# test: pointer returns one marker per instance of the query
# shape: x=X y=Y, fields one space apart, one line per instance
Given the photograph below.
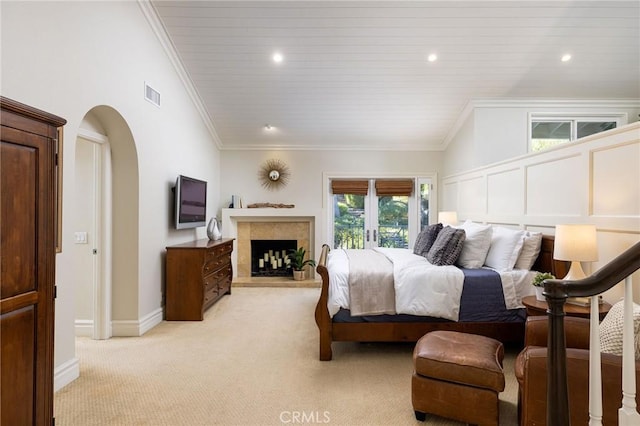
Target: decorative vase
x=539 y=295
x=298 y=275
x=213 y=232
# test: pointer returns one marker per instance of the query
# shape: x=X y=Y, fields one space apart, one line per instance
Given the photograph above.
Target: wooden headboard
x=546 y=262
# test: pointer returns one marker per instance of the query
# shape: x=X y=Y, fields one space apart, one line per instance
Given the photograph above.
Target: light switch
x=81 y=237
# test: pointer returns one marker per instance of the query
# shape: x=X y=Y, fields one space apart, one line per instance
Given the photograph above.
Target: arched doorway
x=105 y=217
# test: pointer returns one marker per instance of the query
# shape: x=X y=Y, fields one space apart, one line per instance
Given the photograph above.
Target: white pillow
x=530 y=250
x=476 y=245
x=505 y=248
x=611 y=330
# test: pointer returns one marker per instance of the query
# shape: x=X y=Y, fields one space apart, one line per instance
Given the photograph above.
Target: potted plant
x=298 y=262
x=537 y=283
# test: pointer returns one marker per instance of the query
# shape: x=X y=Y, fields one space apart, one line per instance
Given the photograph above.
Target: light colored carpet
x=252 y=361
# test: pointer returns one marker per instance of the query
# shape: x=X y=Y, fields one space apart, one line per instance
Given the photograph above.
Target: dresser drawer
x=218 y=251
x=210 y=296
x=213 y=264
x=210 y=282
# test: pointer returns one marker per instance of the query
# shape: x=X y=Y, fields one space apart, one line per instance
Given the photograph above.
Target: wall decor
x=274 y=174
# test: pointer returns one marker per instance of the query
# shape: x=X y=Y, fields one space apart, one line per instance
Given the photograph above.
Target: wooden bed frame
x=506 y=332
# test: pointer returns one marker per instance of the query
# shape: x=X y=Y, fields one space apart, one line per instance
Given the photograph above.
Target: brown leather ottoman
x=458 y=376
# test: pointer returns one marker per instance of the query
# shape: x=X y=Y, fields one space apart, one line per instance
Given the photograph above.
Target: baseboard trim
x=136 y=328
x=84 y=328
x=66 y=373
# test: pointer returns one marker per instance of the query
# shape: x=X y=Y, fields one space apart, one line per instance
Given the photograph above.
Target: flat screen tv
x=190 y=202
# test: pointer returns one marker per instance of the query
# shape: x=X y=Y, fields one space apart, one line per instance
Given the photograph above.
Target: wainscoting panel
x=595 y=180
x=472 y=196
x=556 y=187
x=504 y=192
x=616 y=181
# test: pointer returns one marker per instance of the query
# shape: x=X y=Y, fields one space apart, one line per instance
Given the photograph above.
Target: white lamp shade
x=448 y=218
x=575 y=243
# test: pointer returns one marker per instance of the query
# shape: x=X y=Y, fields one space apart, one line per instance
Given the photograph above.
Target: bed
x=342 y=327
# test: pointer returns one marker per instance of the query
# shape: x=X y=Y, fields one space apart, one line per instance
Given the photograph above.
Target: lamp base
x=575 y=272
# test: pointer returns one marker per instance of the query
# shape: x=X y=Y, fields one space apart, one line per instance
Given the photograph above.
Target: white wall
x=595 y=180
x=239 y=170
x=68 y=57
x=499 y=129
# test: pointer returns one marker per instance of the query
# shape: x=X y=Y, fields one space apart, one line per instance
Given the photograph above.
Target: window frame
x=414 y=214
x=619 y=118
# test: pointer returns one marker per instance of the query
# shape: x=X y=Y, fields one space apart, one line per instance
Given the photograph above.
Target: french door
x=379 y=212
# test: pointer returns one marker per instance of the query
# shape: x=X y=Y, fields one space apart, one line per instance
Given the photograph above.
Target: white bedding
x=422 y=288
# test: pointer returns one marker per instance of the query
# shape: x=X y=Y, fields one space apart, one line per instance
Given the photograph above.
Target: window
x=548 y=131
x=383 y=212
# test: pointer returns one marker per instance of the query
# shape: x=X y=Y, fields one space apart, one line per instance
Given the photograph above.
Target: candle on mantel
x=261 y=263
x=266 y=257
x=274 y=264
x=279 y=263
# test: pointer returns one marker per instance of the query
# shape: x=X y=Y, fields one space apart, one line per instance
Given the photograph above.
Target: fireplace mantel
x=231 y=217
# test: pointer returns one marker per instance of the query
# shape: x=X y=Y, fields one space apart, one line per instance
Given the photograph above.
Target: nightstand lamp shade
x=575 y=243
x=448 y=218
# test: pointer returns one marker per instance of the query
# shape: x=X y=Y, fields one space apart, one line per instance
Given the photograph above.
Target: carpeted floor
x=252 y=361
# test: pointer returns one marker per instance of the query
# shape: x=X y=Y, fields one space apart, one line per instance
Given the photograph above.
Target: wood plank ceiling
x=356 y=74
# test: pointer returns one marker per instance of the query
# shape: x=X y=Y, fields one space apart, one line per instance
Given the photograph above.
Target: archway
x=106 y=220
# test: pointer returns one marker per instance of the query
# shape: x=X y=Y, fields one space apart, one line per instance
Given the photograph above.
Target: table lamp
x=575 y=243
x=448 y=218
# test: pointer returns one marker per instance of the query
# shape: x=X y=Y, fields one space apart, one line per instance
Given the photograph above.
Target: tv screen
x=191 y=202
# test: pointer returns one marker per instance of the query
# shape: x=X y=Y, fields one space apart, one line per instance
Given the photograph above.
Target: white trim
x=150 y=13
x=66 y=373
x=324 y=147
x=84 y=328
x=136 y=328
x=92 y=136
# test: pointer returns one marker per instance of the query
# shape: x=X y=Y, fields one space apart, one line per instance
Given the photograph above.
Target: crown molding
x=159 y=30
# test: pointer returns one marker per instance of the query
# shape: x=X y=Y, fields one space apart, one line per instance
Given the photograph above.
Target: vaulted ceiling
x=357 y=74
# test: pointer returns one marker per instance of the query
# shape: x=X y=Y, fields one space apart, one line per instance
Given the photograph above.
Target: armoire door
x=27 y=263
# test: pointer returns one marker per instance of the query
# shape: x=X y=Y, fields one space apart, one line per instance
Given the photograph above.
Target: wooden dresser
x=198 y=274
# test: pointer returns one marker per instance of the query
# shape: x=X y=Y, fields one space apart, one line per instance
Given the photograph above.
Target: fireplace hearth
x=269 y=258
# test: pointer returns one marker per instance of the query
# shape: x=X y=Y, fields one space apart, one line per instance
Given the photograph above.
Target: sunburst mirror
x=274 y=174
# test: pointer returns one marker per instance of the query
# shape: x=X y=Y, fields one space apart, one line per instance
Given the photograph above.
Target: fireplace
x=269 y=230
x=270 y=258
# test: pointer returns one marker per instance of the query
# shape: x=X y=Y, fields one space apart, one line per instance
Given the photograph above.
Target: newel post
x=557 y=392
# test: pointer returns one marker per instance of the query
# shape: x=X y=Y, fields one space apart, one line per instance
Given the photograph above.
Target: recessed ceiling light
x=268 y=127
x=277 y=57
x=432 y=57
x=566 y=57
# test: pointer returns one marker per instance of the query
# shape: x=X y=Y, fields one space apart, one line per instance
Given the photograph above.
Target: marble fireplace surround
x=267 y=223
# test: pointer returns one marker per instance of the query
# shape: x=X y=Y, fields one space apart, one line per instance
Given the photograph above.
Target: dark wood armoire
x=28 y=239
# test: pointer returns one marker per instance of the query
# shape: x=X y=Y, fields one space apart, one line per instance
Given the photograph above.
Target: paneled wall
x=595 y=180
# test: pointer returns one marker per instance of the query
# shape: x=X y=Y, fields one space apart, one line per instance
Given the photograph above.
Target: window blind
x=357 y=187
x=394 y=187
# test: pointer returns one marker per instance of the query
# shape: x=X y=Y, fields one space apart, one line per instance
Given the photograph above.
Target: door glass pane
x=393 y=221
x=348 y=221
x=591 y=128
x=545 y=134
x=424 y=205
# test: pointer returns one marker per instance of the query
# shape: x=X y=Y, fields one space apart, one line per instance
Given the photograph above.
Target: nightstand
x=537 y=307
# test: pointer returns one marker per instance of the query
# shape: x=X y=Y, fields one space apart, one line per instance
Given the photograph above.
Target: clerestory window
x=548 y=131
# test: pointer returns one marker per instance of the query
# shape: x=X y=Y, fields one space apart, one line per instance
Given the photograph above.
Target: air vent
x=151 y=95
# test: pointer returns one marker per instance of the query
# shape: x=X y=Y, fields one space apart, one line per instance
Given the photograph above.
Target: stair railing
x=556 y=293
